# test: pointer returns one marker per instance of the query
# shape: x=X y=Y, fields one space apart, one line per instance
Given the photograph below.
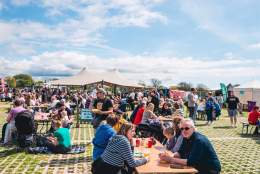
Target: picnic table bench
x=246 y=125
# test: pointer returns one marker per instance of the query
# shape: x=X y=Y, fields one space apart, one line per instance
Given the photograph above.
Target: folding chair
x=86 y=116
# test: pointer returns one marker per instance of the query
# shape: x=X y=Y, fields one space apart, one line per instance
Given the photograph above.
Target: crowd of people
x=113 y=150
x=114 y=131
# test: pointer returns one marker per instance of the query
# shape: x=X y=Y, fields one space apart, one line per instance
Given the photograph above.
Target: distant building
x=248 y=92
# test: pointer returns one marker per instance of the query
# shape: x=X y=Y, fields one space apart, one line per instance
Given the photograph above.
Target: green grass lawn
x=237 y=153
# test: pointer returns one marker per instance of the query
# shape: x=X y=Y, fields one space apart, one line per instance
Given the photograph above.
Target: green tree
x=39 y=83
x=202 y=87
x=185 y=86
x=11 y=82
x=142 y=83
x=23 y=80
x=202 y=90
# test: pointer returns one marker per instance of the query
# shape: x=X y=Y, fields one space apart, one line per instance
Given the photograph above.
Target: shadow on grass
x=200 y=125
x=255 y=137
x=8 y=152
x=258 y=141
x=70 y=161
x=223 y=127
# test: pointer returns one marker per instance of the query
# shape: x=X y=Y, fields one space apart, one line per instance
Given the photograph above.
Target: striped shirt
x=119 y=151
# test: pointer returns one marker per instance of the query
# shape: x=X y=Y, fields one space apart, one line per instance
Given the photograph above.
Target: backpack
x=24 y=123
x=217 y=109
x=209 y=105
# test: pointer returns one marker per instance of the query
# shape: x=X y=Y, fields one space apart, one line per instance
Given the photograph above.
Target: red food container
x=137 y=142
x=150 y=143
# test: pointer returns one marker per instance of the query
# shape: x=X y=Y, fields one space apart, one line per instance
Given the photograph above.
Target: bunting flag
x=224 y=91
x=3 y=84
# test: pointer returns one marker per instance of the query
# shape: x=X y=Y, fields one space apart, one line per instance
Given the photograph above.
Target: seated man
x=196 y=151
x=102 y=107
x=61 y=141
x=253 y=117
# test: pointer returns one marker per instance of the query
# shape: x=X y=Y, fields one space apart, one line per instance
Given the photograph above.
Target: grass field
x=238 y=153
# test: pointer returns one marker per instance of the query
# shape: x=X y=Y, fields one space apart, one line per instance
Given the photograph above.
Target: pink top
x=15 y=111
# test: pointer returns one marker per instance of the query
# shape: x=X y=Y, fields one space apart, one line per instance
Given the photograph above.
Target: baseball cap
x=101 y=90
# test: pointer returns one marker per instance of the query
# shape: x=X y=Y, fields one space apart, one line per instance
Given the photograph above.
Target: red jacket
x=253 y=117
x=139 y=116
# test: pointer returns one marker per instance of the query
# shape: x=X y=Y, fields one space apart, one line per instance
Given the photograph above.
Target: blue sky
x=199 y=41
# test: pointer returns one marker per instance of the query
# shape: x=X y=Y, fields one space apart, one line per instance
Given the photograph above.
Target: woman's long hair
x=176 y=124
x=125 y=128
x=150 y=107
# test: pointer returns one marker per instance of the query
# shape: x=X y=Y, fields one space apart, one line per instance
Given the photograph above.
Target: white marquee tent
x=85 y=77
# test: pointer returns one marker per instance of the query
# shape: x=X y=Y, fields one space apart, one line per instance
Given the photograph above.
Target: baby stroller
x=24 y=123
x=150 y=130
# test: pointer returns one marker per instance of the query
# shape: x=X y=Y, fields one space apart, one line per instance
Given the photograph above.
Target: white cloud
x=1 y=6
x=22 y=49
x=254 y=46
x=209 y=16
x=20 y=2
x=82 y=29
x=170 y=70
x=231 y=21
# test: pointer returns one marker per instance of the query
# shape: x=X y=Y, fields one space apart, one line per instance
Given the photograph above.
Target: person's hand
x=96 y=111
x=147 y=158
x=165 y=157
x=99 y=112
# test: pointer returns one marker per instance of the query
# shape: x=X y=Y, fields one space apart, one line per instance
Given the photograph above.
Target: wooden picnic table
x=155 y=167
x=165 y=119
x=39 y=106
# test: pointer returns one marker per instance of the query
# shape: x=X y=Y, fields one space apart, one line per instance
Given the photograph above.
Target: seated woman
x=148 y=114
x=61 y=113
x=165 y=110
x=10 y=127
x=139 y=113
x=60 y=142
x=201 y=105
x=155 y=125
x=119 y=123
x=177 y=110
x=253 y=118
x=117 y=154
x=103 y=134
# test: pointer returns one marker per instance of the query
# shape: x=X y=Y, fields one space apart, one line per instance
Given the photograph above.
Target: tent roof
x=85 y=77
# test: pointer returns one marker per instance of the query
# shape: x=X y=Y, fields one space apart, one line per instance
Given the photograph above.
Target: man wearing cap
x=102 y=107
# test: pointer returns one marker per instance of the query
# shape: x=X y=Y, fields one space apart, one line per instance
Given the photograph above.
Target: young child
x=65 y=119
x=169 y=134
x=173 y=135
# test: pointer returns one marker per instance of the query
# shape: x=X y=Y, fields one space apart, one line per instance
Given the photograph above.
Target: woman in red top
x=139 y=114
x=253 y=117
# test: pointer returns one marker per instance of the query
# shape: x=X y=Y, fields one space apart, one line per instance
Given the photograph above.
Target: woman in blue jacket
x=103 y=134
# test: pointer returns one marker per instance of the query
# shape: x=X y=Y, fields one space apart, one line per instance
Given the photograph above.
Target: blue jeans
x=209 y=115
x=192 y=113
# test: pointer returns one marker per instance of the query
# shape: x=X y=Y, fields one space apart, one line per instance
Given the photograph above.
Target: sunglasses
x=185 y=128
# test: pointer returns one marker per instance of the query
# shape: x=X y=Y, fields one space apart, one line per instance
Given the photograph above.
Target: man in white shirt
x=192 y=104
